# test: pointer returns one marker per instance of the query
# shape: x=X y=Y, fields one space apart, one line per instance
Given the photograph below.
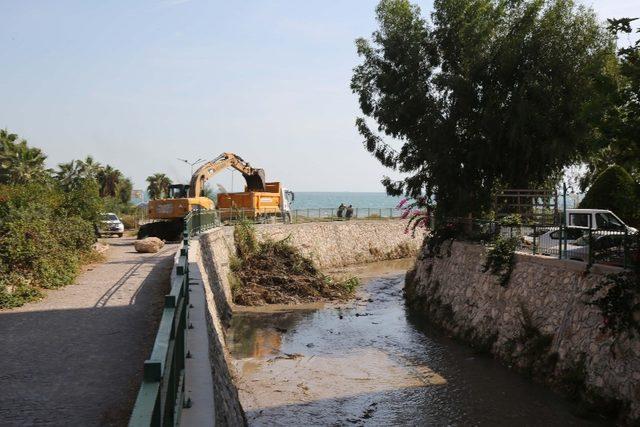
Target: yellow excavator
x=258 y=198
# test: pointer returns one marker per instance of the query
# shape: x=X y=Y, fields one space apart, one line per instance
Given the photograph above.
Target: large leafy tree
x=125 y=187
x=620 y=132
x=492 y=93
x=19 y=163
x=158 y=185
x=614 y=189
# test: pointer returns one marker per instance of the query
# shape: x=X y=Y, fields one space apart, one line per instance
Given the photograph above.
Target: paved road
x=75 y=358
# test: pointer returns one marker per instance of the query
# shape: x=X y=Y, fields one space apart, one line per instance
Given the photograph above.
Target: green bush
x=614 y=189
x=45 y=233
x=501 y=258
x=130 y=222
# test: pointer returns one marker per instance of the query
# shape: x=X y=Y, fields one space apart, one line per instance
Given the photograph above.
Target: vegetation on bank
x=47 y=218
x=615 y=189
x=275 y=272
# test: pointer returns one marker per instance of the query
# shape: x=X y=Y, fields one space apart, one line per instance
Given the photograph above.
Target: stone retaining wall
x=341 y=243
x=539 y=323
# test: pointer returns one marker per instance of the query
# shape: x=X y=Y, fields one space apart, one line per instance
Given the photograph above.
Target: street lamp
x=192 y=164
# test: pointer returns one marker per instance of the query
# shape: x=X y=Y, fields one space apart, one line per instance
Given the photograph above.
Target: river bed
x=372 y=362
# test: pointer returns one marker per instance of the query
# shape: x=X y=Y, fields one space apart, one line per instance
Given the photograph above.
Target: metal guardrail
x=198 y=221
x=305 y=215
x=161 y=396
x=331 y=214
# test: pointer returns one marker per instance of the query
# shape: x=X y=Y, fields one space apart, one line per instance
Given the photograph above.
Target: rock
x=148 y=245
x=100 y=247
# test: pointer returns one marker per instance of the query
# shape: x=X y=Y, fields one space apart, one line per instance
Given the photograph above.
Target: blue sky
x=138 y=84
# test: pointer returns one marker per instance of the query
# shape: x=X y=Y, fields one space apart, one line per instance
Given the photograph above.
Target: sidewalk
x=76 y=357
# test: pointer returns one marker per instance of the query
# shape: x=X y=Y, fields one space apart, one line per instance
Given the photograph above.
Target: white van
x=597 y=219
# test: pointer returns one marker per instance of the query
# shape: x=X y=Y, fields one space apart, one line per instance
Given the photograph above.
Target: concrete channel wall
x=330 y=244
x=539 y=323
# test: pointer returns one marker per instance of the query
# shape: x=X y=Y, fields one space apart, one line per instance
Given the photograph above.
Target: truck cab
x=597 y=219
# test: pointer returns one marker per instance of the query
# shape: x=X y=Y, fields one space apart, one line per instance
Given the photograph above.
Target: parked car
x=110 y=225
x=548 y=242
x=605 y=247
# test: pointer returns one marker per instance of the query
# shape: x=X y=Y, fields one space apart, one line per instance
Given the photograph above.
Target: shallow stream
x=373 y=362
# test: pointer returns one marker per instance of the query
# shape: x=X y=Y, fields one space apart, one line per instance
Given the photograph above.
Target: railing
x=332 y=214
x=201 y=220
x=592 y=246
x=161 y=396
x=305 y=215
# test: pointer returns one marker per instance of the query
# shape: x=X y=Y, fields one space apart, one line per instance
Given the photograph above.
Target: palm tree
x=158 y=186
x=109 y=177
x=89 y=168
x=68 y=174
x=19 y=163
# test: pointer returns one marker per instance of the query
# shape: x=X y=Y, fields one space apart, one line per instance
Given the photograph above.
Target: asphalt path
x=76 y=356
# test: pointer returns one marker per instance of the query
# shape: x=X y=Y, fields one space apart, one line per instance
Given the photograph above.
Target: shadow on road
x=80 y=366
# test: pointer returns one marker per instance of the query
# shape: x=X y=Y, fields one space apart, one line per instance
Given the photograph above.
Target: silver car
x=110 y=225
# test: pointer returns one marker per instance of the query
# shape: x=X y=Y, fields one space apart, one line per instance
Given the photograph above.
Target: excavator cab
x=178 y=191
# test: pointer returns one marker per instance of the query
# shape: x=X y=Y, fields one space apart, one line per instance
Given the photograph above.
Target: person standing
x=349 y=212
x=341 y=209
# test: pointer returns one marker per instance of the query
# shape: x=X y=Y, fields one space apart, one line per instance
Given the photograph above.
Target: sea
x=328 y=200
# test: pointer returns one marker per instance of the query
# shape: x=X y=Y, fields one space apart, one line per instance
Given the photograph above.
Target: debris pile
x=275 y=272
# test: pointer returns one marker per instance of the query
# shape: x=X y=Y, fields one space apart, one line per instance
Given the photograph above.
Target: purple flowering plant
x=417 y=211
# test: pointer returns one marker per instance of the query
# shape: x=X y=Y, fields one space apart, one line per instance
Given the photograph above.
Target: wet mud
x=370 y=361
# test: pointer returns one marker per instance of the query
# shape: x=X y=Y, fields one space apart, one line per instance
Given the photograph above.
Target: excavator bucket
x=255 y=181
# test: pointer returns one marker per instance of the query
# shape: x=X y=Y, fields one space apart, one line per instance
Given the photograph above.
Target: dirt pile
x=275 y=272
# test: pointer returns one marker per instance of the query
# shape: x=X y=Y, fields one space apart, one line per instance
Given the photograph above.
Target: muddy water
x=372 y=362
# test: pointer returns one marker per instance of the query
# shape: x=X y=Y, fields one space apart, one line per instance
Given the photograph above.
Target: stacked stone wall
x=540 y=322
x=341 y=243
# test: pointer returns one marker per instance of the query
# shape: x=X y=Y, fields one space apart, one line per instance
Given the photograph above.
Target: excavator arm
x=254 y=177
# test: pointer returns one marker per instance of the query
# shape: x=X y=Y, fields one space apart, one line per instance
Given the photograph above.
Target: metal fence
x=161 y=396
x=593 y=246
x=305 y=215
x=198 y=221
x=331 y=214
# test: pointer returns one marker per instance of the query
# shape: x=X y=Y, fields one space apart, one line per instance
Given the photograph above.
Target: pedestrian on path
x=349 y=212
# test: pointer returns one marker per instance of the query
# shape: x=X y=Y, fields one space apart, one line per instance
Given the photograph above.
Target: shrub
x=614 y=189
x=501 y=258
x=617 y=298
x=245 y=239
x=42 y=241
x=130 y=222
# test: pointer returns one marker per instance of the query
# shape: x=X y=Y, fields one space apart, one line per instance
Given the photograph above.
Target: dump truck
x=272 y=203
x=259 y=200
